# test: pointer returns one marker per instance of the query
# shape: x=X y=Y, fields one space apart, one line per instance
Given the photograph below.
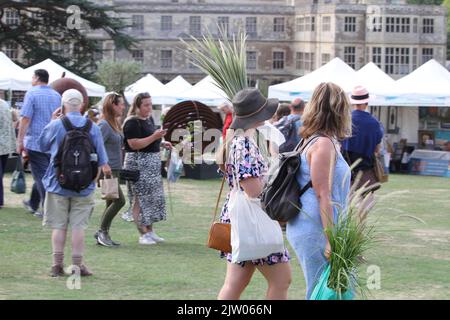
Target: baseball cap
x=73 y=97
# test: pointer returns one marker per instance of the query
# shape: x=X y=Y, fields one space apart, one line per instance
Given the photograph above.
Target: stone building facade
x=286 y=38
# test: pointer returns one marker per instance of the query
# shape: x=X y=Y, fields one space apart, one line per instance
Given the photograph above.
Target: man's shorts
x=61 y=212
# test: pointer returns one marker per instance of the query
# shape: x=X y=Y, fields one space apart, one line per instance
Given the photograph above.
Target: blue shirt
x=366 y=135
x=297 y=123
x=39 y=104
x=49 y=141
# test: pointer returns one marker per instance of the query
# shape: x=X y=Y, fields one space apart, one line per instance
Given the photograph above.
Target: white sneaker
x=146 y=240
x=154 y=236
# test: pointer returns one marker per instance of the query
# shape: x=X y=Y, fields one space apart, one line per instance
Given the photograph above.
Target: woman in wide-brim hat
x=245 y=162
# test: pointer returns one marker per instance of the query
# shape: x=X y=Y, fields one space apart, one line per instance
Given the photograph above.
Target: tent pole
x=10 y=97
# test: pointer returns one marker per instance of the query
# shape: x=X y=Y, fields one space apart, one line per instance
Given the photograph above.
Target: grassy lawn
x=412 y=253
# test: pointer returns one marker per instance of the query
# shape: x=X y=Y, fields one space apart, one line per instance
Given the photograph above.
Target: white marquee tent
x=378 y=83
x=178 y=84
x=55 y=71
x=176 y=87
x=147 y=84
x=336 y=71
x=205 y=91
x=428 y=85
x=12 y=76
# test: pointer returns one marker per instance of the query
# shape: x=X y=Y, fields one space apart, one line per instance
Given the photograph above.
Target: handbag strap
x=218 y=200
x=19 y=165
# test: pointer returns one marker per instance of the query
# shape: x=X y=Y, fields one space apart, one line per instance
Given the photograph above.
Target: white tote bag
x=253 y=234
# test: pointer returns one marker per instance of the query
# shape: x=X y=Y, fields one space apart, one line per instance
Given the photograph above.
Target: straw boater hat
x=360 y=95
x=251 y=107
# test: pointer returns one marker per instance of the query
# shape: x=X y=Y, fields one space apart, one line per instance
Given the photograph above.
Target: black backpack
x=76 y=161
x=280 y=198
x=288 y=129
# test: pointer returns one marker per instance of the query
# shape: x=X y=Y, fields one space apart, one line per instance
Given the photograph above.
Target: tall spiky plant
x=223 y=59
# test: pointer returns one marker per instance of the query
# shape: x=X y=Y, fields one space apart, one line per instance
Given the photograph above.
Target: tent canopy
x=178 y=85
x=147 y=84
x=428 y=85
x=55 y=71
x=174 y=88
x=378 y=83
x=336 y=71
x=205 y=92
x=12 y=76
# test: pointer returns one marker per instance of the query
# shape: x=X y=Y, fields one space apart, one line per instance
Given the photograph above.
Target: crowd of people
x=132 y=144
x=336 y=137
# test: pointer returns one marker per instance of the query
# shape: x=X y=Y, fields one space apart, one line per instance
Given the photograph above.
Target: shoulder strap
x=304 y=143
x=87 y=127
x=67 y=124
x=218 y=199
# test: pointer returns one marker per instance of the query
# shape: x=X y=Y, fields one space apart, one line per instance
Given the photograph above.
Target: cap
x=73 y=97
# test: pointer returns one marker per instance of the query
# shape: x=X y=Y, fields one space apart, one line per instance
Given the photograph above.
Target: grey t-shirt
x=113 y=144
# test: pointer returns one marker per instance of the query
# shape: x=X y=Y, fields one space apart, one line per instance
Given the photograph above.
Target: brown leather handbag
x=219 y=236
x=378 y=170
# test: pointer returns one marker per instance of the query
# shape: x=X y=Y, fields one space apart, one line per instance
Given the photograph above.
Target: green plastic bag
x=322 y=292
x=18 y=178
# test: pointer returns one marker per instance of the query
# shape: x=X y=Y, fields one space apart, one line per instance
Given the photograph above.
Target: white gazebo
x=12 y=77
x=55 y=71
x=178 y=84
x=205 y=91
x=336 y=71
x=147 y=84
x=378 y=83
x=428 y=85
x=174 y=88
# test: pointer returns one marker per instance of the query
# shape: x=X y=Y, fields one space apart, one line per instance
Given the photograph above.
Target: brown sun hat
x=251 y=107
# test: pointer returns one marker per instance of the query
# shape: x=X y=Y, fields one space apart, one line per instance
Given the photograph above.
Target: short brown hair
x=328 y=112
x=282 y=110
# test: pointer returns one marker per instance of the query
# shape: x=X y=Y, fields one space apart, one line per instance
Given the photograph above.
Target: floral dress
x=245 y=161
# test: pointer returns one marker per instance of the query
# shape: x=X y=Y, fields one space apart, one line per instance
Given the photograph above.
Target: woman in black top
x=142 y=147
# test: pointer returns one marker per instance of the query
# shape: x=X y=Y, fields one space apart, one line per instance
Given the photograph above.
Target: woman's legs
x=112 y=209
x=278 y=277
x=136 y=209
x=236 y=280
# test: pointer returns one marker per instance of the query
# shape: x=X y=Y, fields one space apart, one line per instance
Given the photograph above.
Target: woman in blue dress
x=326 y=120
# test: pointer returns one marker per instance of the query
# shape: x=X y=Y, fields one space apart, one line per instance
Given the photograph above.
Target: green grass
x=413 y=257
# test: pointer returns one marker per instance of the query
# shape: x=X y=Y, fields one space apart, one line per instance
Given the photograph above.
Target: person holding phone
x=142 y=147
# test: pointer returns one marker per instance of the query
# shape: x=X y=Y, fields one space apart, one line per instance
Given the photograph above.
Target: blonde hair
x=328 y=112
x=108 y=111
x=137 y=102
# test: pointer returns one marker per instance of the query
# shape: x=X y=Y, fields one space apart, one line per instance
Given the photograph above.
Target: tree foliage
x=116 y=75
x=42 y=23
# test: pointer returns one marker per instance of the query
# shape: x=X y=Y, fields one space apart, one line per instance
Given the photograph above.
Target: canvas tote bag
x=253 y=234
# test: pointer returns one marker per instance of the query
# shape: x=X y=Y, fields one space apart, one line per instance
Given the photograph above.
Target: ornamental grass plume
x=350 y=237
x=223 y=59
